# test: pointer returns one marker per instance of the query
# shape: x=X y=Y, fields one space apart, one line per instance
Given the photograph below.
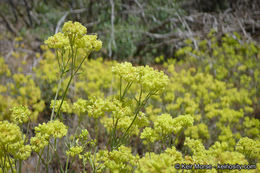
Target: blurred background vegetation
x=133 y=30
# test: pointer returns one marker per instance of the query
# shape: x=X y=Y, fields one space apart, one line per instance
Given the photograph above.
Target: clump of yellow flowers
x=12 y=145
x=20 y=114
x=74 y=34
x=120 y=160
x=44 y=132
x=68 y=45
x=165 y=126
x=131 y=118
x=149 y=79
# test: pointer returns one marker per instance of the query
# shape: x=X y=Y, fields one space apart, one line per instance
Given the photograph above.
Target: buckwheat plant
x=20 y=114
x=150 y=82
x=44 y=134
x=72 y=47
x=67 y=44
x=12 y=147
x=122 y=114
x=164 y=126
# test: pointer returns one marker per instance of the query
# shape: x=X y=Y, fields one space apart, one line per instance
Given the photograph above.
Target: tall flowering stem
x=150 y=81
x=67 y=45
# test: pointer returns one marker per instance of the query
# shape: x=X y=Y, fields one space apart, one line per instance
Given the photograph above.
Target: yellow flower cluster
x=150 y=80
x=90 y=42
x=217 y=154
x=73 y=151
x=227 y=135
x=44 y=132
x=252 y=127
x=165 y=125
x=20 y=114
x=249 y=147
x=199 y=131
x=74 y=34
x=120 y=160
x=12 y=142
x=124 y=122
x=4 y=70
x=80 y=106
x=66 y=108
x=74 y=28
x=163 y=162
x=24 y=152
x=213 y=104
x=57 y=41
x=99 y=107
x=79 y=145
x=84 y=136
x=115 y=114
x=10 y=134
x=230 y=59
x=47 y=71
x=27 y=93
x=196 y=147
x=96 y=79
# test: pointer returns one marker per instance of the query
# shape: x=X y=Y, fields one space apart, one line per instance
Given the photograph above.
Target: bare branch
x=62 y=19
x=112 y=40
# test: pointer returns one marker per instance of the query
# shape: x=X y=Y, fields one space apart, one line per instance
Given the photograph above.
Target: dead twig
x=112 y=40
x=61 y=21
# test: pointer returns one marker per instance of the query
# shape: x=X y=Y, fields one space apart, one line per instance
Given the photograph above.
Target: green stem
x=67 y=87
x=139 y=107
x=2 y=166
x=38 y=163
x=4 y=162
x=81 y=63
x=71 y=163
x=96 y=129
x=40 y=156
x=57 y=55
x=120 y=86
x=129 y=84
x=57 y=156
x=20 y=166
x=10 y=164
x=111 y=135
x=48 y=153
x=67 y=163
x=47 y=168
x=67 y=63
x=92 y=163
x=64 y=94
x=114 y=135
x=56 y=95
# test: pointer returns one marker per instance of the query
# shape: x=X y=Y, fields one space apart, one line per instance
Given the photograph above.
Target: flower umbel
x=44 y=132
x=20 y=114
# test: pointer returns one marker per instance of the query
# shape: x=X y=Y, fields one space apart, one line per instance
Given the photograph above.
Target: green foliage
x=125 y=27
